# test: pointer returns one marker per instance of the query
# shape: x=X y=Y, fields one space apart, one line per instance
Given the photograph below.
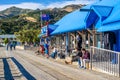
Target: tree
x=29 y=36
x=6 y=40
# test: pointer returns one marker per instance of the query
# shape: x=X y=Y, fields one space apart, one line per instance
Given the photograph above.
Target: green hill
x=16 y=19
x=13 y=11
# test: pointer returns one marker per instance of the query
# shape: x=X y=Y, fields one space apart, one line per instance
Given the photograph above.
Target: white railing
x=105 y=61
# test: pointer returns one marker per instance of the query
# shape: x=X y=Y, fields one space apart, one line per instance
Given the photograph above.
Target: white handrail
x=105 y=49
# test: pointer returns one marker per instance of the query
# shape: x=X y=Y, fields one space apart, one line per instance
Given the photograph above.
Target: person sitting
x=40 y=50
x=76 y=57
x=85 y=58
x=54 y=53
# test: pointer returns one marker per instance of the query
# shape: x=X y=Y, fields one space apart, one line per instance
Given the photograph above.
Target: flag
x=45 y=17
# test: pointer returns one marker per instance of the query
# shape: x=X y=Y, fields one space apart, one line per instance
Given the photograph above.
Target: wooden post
x=88 y=40
x=74 y=39
x=101 y=39
x=93 y=39
x=79 y=33
x=67 y=42
x=84 y=40
x=90 y=32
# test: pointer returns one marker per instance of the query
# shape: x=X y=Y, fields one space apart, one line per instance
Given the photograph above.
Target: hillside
x=16 y=19
x=13 y=11
x=28 y=21
x=71 y=8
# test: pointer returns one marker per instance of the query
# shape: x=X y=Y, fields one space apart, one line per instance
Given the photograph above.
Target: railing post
x=119 y=64
x=91 y=58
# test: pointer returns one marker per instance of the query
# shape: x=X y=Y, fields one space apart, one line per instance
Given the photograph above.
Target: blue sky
x=42 y=4
x=34 y=1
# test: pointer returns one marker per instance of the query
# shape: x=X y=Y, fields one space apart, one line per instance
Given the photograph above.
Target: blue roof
x=91 y=19
x=112 y=22
x=71 y=22
x=102 y=13
x=109 y=3
x=103 y=9
x=114 y=16
x=51 y=28
x=110 y=27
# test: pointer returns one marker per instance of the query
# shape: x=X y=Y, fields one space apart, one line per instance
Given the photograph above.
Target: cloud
x=62 y=4
x=26 y=5
x=31 y=5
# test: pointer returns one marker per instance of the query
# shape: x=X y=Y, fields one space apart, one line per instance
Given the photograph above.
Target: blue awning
x=71 y=22
x=114 y=16
x=50 y=29
x=107 y=3
x=109 y=27
x=103 y=9
x=113 y=21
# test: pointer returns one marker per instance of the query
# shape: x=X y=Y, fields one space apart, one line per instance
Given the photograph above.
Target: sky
x=41 y=4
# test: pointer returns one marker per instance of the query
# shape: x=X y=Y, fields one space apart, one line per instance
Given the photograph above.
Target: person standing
x=8 y=44
x=11 y=45
x=79 y=41
x=46 y=47
x=14 y=45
